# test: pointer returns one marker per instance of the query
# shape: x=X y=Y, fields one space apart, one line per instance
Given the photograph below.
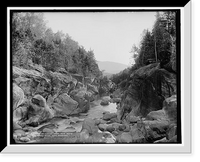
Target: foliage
x=153 y=43
x=104 y=85
x=153 y=76
x=33 y=42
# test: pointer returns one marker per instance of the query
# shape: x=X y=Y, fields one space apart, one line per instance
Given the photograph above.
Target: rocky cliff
x=45 y=94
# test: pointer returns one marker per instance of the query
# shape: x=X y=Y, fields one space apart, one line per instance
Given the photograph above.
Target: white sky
x=110 y=34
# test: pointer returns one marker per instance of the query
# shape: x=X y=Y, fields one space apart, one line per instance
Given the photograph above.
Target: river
x=96 y=110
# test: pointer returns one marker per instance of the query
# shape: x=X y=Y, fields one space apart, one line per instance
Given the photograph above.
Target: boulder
x=89 y=125
x=17 y=72
x=78 y=77
x=92 y=88
x=28 y=85
x=18 y=96
x=114 y=120
x=47 y=130
x=173 y=139
x=132 y=119
x=19 y=114
x=24 y=139
x=156 y=130
x=65 y=104
x=43 y=87
x=63 y=71
x=129 y=105
x=50 y=100
x=109 y=116
x=110 y=128
x=150 y=100
x=170 y=108
x=122 y=127
x=138 y=133
x=102 y=127
x=115 y=133
x=97 y=138
x=19 y=133
x=83 y=98
x=38 y=111
x=109 y=138
x=84 y=136
x=157 y=115
x=16 y=126
x=127 y=129
x=163 y=140
x=159 y=126
x=124 y=138
x=116 y=100
x=61 y=78
x=104 y=102
x=79 y=85
x=171 y=132
x=97 y=121
x=37 y=67
x=88 y=80
x=32 y=81
x=117 y=94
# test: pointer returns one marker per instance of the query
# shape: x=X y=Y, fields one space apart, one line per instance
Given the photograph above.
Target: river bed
x=96 y=110
x=72 y=124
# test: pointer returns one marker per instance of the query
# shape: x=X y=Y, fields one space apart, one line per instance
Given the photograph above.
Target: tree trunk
x=156 y=56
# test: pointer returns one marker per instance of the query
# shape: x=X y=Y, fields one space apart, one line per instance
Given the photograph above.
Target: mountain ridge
x=111 y=67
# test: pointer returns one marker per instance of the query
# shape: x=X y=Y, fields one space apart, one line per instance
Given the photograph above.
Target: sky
x=109 y=34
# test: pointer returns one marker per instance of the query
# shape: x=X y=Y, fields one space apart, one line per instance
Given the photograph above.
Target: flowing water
x=73 y=124
x=96 y=110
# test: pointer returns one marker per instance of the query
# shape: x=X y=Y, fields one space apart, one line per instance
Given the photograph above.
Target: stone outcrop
x=147 y=89
x=170 y=108
x=64 y=104
x=18 y=96
x=39 y=95
x=105 y=101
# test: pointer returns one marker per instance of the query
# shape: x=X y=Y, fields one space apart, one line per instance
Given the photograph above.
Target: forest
x=33 y=42
x=59 y=88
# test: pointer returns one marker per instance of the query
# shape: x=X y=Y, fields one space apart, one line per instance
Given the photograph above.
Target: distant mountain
x=111 y=67
x=109 y=75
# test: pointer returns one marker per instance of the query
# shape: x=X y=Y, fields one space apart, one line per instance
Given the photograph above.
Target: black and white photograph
x=95 y=77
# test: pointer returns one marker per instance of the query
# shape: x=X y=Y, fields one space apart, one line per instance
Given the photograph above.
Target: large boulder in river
x=38 y=111
x=83 y=97
x=108 y=116
x=65 y=104
x=104 y=102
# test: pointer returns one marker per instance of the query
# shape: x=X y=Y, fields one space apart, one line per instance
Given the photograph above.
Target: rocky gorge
x=59 y=107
